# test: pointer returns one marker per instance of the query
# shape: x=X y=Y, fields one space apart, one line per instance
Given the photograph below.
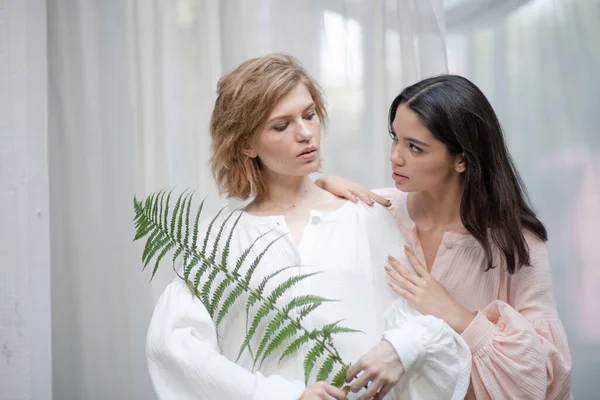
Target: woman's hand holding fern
x=381 y=367
x=323 y=391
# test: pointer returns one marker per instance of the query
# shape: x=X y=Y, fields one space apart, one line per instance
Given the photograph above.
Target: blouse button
x=315 y=219
x=448 y=245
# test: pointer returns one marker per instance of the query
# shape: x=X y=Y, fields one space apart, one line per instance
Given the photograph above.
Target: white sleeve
x=185 y=361
x=436 y=359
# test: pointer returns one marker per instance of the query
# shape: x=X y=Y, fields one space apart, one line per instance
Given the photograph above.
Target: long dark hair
x=459 y=115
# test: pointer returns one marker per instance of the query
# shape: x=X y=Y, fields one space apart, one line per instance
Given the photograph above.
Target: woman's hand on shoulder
x=352 y=191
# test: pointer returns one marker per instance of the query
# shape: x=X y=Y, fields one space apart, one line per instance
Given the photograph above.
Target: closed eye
x=281 y=128
x=310 y=116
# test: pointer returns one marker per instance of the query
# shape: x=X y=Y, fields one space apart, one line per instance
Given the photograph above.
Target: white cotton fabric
x=189 y=358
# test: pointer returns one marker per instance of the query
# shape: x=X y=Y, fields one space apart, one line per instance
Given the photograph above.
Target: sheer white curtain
x=131 y=85
x=538 y=63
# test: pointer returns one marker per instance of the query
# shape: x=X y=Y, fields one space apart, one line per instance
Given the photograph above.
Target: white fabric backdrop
x=131 y=88
x=539 y=66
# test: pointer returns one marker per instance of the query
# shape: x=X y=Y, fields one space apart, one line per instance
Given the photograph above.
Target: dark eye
x=281 y=128
x=393 y=135
x=415 y=149
x=310 y=116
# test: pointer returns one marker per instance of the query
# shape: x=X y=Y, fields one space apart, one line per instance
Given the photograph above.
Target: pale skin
x=425 y=169
x=288 y=148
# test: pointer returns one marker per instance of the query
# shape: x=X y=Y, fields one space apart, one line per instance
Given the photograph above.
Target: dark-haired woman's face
x=420 y=162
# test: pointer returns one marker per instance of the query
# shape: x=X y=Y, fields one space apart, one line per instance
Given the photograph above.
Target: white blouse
x=189 y=358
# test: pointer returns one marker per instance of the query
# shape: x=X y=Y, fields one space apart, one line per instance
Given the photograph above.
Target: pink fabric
x=518 y=342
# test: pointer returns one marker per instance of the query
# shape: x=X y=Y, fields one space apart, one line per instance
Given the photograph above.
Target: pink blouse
x=517 y=340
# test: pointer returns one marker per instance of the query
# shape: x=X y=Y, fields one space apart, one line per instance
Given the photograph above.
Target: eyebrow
x=415 y=141
x=311 y=105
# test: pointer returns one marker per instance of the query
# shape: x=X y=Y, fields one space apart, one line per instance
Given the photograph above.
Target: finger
x=363 y=196
x=416 y=263
x=379 y=199
x=372 y=390
x=383 y=391
x=349 y=196
x=404 y=284
x=360 y=382
x=337 y=393
x=403 y=293
x=403 y=272
x=354 y=370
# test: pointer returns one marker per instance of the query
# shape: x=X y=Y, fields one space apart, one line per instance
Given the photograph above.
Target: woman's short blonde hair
x=245 y=98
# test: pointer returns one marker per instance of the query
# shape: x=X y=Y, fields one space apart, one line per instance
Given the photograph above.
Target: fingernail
x=387 y=268
x=406 y=248
x=390 y=258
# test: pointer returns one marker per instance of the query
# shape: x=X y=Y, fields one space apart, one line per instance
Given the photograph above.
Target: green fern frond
x=168 y=247
x=218 y=293
x=205 y=291
x=176 y=214
x=166 y=214
x=311 y=358
x=229 y=302
x=215 y=248
x=307 y=310
x=258 y=259
x=334 y=328
x=304 y=300
x=195 y=259
x=245 y=253
x=284 y=334
x=208 y=230
x=206 y=263
x=272 y=327
x=262 y=312
x=169 y=230
x=295 y=346
x=225 y=253
x=326 y=368
x=287 y=284
x=340 y=377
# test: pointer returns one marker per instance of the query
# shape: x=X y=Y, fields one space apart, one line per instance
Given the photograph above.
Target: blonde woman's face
x=289 y=142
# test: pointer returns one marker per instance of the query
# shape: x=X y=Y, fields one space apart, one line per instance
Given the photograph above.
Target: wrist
x=460 y=319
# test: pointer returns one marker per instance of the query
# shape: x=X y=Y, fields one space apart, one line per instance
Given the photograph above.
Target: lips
x=399 y=178
x=307 y=151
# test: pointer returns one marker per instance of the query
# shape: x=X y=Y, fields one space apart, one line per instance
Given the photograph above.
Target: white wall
x=25 y=355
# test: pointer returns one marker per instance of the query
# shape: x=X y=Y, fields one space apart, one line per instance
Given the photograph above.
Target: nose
x=304 y=133
x=395 y=156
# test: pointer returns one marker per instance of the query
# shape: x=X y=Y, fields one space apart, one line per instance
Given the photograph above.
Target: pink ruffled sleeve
x=519 y=347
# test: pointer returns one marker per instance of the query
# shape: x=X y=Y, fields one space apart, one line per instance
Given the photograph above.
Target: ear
x=460 y=164
x=250 y=153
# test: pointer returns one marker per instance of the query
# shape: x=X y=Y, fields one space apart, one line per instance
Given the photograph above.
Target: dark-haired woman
x=478 y=249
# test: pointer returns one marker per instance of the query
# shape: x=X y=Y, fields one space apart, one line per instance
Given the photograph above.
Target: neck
x=440 y=208
x=286 y=192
